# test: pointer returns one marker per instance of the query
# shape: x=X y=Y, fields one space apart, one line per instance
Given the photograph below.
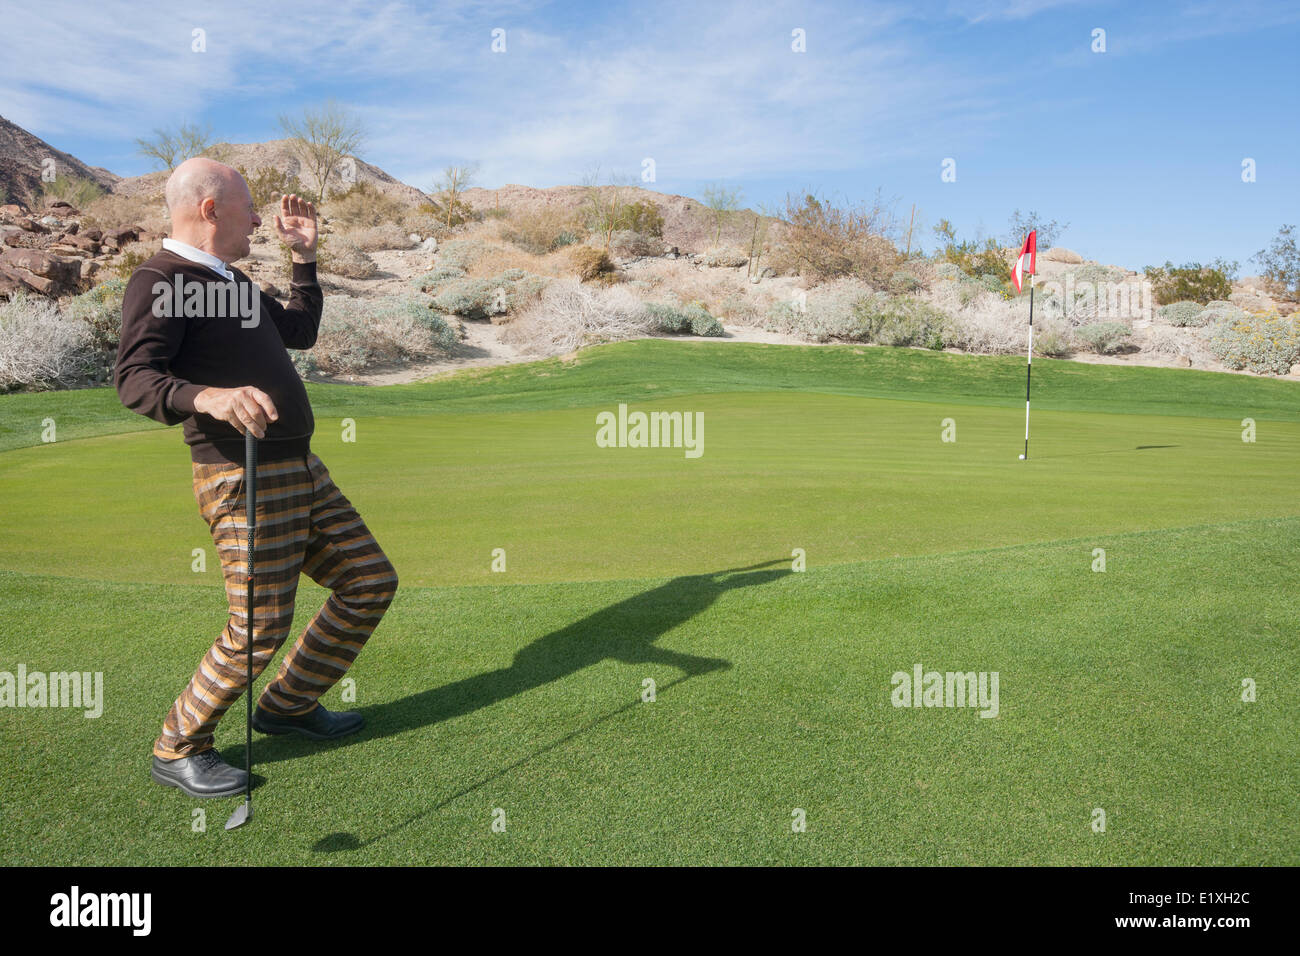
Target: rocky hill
x=24 y=156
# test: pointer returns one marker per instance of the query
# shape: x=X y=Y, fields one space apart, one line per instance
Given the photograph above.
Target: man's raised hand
x=246 y=408
x=296 y=226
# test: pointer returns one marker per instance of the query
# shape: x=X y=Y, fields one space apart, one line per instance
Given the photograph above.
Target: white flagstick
x=1029 y=365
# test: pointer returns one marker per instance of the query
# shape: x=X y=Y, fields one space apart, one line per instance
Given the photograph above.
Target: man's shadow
x=625 y=631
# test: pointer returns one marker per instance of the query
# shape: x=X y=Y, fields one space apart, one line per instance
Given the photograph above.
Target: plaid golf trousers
x=304 y=526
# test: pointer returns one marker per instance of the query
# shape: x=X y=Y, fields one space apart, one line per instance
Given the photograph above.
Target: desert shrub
x=112 y=211
x=356 y=334
x=267 y=184
x=823 y=313
x=1103 y=337
x=901 y=321
x=1281 y=264
x=739 y=308
x=347 y=260
x=1217 y=312
x=824 y=241
x=364 y=205
x=101 y=309
x=693 y=318
x=482 y=298
x=73 y=190
x=1098 y=274
x=974 y=260
x=387 y=235
x=947 y=271
x=1052 y=338
x=423 y=220
x=1265 y=343
x=725 y=258
x=41 y=348
x=1181 y=314
x=1193 y=281
x=461 y=252
x=903 y=283
x=436 y=277
x=132 y=258
x=590 y=263
x=1165 y=341
x=642 y=217
x=570 y=315
x=625 y=244
x=544 y=230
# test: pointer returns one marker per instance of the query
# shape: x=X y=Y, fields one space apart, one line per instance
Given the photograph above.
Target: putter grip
x=250 y=492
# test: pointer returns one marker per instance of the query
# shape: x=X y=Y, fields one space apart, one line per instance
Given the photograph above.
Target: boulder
x=1061 y=254
x=63 y=210
x=42 y=271
x=89 y=267
x=27 y=224
x=429 y=245
x=50 y=221
x=11 y=213
x=1183 y=361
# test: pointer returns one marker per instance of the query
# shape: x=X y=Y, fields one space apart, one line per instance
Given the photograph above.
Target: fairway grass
x=521 y=692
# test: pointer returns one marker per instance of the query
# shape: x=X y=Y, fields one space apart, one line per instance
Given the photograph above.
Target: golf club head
x=243 y=813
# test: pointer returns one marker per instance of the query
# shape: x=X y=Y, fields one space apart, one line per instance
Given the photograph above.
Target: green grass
x=521 y=690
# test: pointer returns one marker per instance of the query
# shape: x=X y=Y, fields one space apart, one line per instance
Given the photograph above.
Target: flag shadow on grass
x=625 y=631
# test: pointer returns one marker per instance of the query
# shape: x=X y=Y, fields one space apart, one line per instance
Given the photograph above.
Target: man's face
x=237 y=219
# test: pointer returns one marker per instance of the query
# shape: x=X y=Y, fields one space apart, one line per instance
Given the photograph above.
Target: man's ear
x=208 y=210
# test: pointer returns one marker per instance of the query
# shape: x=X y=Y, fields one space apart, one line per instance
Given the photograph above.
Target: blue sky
x=1139 y=148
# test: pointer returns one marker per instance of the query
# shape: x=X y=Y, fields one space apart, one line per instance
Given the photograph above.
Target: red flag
x=1027 y=256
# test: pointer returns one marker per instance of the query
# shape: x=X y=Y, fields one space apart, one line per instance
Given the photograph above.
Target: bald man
x=203 y=345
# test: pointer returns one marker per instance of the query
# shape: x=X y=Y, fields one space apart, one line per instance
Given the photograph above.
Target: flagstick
x=1029 y=365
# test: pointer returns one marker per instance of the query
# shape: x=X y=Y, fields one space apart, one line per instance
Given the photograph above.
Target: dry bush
x=364 y=205
x=388 y=235
x=723 y=257
x=116 y=212
x=824 y=241
x=628 y=244
x=570 y=315
x=543 y=230
x=41 y=348
x=590 y=263
x=495 y=260
x=983 y=322
x=356 y=334
x=344 y=258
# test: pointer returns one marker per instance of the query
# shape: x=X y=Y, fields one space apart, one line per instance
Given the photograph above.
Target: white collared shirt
x=198 y=255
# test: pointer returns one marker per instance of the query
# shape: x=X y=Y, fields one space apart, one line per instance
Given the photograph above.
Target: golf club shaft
x=250 y=505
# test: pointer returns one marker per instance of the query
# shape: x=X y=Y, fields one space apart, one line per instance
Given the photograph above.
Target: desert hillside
x=419 y=283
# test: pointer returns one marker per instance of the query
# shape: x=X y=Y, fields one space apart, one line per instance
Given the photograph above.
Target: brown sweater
x=208 y=332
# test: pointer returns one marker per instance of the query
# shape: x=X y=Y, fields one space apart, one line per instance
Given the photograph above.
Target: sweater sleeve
x=299 y=321
x=145 y=352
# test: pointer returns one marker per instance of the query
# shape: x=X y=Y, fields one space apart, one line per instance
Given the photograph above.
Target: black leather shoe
x=201 y=775
x=318 y=723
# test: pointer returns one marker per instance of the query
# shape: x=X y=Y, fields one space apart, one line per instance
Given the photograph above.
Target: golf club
x=244 y=812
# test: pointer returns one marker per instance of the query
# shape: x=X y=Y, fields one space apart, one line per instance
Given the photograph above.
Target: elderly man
x=201 y=344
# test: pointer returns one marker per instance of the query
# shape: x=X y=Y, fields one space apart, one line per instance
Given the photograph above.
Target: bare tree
x=324 y=136
x=171 y=149
x=605 y=207
x=724 y=203
x=447 y=190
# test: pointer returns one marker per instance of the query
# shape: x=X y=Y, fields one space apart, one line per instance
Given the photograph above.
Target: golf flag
x=1027 y=257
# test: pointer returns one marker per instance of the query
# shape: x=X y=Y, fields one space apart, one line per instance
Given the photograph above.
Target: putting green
x=521 y=690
